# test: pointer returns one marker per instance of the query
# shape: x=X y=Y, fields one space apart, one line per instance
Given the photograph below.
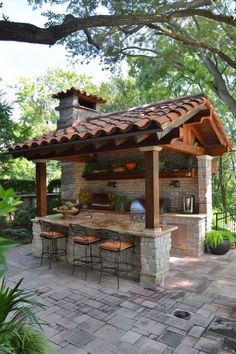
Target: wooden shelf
x=138 y=175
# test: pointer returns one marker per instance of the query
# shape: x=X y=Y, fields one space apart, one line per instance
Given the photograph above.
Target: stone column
x=205 y=188
x=155 y=254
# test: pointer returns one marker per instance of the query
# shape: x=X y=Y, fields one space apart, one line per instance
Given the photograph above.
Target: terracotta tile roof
x=79 y=93
x=158 y=116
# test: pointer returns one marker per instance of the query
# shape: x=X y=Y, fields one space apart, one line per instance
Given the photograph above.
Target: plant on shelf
x=118 y=166
x=121 y=203
x=131 y=166
x=96 y=167
x=219 y=242
x=85 y=197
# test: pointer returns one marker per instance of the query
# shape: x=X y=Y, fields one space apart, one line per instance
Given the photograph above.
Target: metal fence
x=226 y=220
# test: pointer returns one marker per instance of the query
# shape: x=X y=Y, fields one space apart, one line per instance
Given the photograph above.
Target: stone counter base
x=151 y=258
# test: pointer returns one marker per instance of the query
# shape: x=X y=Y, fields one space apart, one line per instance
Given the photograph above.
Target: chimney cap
x=81 y=94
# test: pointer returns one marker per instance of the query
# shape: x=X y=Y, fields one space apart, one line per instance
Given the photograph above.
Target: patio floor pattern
x=85 y=317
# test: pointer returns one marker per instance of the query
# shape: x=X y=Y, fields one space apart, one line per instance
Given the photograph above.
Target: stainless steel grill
x=137 y=209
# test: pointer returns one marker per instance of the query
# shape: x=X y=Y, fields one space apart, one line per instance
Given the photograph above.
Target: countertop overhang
x=123 y=227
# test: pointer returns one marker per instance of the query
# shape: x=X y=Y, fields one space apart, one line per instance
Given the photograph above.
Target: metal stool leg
x=101 y=267
x=86 y=261
x=73 y=262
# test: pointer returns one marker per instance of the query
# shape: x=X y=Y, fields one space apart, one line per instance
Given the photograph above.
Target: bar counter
x=152 y=246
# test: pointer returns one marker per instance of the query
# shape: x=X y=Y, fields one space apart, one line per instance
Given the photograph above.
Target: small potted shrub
x=219 y=242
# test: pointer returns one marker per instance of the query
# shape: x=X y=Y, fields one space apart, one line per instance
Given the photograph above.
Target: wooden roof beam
x=217 y=150
x=179 y=146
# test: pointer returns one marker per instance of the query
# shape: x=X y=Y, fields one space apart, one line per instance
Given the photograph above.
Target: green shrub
x=20 y=186
x=214 y=237
x=53 y=203
x=54 y=186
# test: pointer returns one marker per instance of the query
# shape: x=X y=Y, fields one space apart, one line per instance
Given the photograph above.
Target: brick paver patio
x=85 y=317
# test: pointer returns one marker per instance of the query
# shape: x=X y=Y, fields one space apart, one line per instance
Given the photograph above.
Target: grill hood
x=138 y=205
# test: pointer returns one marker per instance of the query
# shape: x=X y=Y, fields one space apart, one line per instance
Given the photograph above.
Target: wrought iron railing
x=226 y=220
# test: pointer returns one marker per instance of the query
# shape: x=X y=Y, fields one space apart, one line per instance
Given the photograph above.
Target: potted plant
x=219 y=242
x=130 y=166
x=118 y=167
x=84 y=198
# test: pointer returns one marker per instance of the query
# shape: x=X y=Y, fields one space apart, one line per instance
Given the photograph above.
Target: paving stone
x=71 y=349
x=110 y=334
x=121 y=322
x=149 y=304
x=126 y=348
x=97 y=314
x=126 y=312
x=158 y=328
x=80 y=338
x=61 y=295
x=157 y=315
x=98 y=346
x=92 y=325
x=145 y=323
x=130 y=305
x=171 y=338
x=208 y=345
x=150 y=346
x=196 y=331
x=81 y=318
x=130 y=337
x=184 y=349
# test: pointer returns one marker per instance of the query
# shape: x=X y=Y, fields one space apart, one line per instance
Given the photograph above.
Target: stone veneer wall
x=72 y=182
x=195 y=233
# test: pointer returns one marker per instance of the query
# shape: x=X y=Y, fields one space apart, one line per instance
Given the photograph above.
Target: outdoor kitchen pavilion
x=187 y=125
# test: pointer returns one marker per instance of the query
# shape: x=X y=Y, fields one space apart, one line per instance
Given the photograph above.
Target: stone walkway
x=85 y=317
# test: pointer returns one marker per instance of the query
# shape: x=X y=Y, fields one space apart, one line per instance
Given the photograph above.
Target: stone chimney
x=76 y=106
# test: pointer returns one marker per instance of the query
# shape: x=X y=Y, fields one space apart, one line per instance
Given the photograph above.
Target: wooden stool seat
x=116 y=246
x=52 y=234
x=86 y=239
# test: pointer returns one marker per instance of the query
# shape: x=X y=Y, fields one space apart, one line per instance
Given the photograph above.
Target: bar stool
x=50 y=237
x=83 y=237
x=117 y=246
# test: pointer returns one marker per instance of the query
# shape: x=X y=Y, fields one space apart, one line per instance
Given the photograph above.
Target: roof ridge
x=146 y=105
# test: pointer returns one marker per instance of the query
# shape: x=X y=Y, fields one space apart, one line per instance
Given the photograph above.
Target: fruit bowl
x=66 y=213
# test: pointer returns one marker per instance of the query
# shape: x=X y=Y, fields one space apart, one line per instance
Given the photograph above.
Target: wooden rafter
x=178 y=145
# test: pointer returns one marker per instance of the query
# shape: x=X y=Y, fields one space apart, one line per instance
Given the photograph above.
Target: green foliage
x=20 y=186
x=54 y=186
x=8 y=201
x=53 y=203
x=121 y=202
x=19 y=327
x=23 y=217
x=215 y=237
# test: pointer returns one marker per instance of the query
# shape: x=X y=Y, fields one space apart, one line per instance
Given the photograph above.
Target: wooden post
x=152 y=194
x=41 y=188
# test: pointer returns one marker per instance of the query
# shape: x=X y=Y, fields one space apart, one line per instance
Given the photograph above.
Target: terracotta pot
x=130 y=166
x=221 y=249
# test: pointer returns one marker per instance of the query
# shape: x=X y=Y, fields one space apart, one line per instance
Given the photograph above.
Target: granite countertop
x=126 y=227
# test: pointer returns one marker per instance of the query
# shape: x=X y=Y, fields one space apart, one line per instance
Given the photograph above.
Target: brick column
x=205 y=188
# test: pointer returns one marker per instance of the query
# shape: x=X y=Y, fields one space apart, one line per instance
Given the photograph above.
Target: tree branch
x=195 y=43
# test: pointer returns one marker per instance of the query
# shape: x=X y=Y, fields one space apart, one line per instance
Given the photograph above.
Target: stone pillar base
x=155 y=254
